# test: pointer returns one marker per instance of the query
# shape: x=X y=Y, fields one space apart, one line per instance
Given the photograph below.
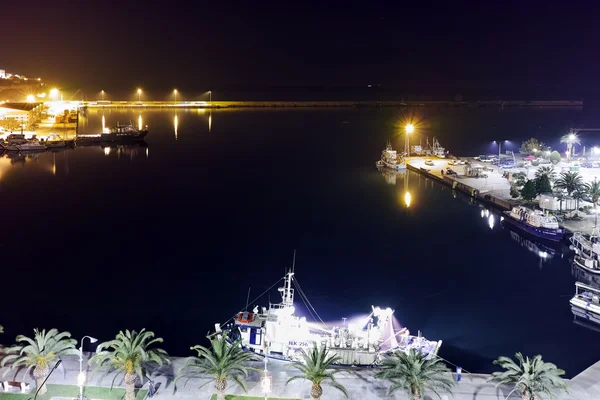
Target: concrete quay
x=360 y=383
x=493 y=190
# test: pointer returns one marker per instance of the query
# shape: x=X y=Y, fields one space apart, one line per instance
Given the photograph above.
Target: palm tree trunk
x=40 y=374
x=316 y=391
x=596 y=214
x=130 y=386
x=221 y=386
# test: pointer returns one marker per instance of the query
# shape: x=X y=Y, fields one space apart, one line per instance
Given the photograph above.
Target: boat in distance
x=278 y=333
x=120 y=133
x=535 y=222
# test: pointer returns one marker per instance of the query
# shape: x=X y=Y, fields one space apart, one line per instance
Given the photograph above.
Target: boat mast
x=288 y=292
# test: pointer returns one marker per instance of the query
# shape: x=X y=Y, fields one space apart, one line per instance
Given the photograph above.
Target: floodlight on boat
x=543 y=254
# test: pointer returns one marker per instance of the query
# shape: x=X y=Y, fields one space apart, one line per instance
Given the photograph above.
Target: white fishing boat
x=586 y=302
x=389 y=159
x=277 y=332
x=587 y=251
x=438 y=150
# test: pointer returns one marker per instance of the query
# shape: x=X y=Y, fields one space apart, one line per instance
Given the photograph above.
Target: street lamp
x=210 y=96
x=409 y=128
x=81 y=376
x=54 y=93
x=30 y=98
x=175 y=93
x=139 y=92
x=500 y=147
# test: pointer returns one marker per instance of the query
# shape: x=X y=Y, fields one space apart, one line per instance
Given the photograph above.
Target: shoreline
x=330 y=104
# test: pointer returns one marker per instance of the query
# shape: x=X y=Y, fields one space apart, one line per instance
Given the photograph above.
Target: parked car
x=429 y=162
x=486 y=159
x=479 y=157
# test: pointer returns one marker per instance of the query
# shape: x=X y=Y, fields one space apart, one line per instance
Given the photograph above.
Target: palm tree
x=414 y=373
x=223 y=360
x=545 y=171
x=593 y=190
x=129 y=352
x=570 y=139
x=314 y=367
x=532 y=377
x=569 y=181
x=38 y=353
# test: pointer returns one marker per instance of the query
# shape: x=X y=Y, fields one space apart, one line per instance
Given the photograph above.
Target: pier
x=359 y=382
x=327 y=104
x=493 y=190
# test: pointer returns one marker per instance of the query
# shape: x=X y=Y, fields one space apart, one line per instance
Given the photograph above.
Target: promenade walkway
x=360 y=383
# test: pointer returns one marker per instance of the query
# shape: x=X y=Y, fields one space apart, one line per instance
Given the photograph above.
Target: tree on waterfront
x=519 y=179
x=546 y=171
x=531 y=377
x=542 y=185
x=131 y=354
x=593 y=190
x=414 y=373
x=555 y=157
x=514 y=192
x=223 y=360
x=531 y=146
x=10 y=124
x=569 y=181
x=39 y=352
x=529 y=191
x=571 y=139
x=316 y=367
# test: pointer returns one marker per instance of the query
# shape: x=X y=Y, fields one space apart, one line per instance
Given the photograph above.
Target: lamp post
x=175 y=93
x=266 y=381
x=139 y=92
x=81 y=376
x=409 y=128
x=210 y=96
x=500 y=147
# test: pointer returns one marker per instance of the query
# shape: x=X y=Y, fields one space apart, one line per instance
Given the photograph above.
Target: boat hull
x=554 y=235
x=580 y=262
x=112 y=138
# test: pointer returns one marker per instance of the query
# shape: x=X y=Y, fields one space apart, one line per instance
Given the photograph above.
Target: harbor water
x=171 y=235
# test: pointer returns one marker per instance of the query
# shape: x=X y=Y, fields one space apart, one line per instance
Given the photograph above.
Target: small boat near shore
x=586 y=302
x=389 y=159
x=536 y=223
x=120 y=133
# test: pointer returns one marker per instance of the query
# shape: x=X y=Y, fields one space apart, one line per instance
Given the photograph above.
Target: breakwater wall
x=330 y=104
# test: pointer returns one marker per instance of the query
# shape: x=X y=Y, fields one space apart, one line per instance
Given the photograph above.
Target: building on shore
x=24 y=113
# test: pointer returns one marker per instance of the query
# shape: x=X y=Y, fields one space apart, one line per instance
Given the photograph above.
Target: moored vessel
x=120 y=133
x=276 y=332
x=389 y=159
x=536 y=223
x=586 y=302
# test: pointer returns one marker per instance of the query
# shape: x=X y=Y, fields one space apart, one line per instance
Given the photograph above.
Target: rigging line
x=261 y=295
x=307 y=308
x=309 y=303
x=450 y=362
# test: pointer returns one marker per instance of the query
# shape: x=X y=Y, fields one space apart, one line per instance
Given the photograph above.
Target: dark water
x=170 y=236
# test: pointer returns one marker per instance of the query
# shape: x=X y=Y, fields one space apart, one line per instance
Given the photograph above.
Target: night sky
x=200 y=46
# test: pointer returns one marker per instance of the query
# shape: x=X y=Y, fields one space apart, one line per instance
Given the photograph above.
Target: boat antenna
x=248 y=298
x=294 y=262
